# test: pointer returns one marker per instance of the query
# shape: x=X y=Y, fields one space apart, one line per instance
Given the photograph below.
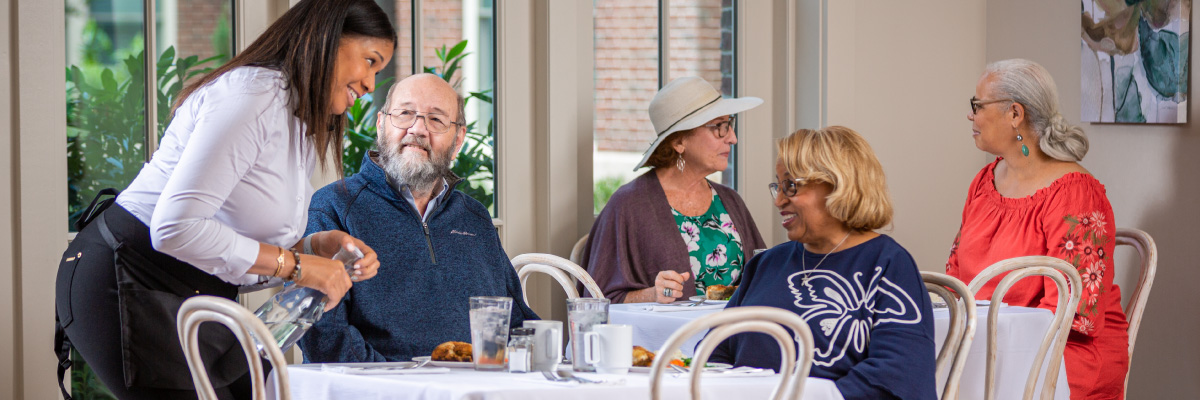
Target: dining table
x=320 y=381
x=1020 y=330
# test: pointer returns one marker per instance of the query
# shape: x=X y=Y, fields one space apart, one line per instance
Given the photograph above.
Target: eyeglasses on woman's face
x=977 y=104
x=434 y=123
x=789 y=187
x=721 y=129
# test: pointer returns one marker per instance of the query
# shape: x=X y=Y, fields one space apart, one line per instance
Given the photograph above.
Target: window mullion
x=664 y=41
x=151 y=76
x=417 y=64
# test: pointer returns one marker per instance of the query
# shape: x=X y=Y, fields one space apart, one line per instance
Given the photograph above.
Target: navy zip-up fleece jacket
x=427 y=272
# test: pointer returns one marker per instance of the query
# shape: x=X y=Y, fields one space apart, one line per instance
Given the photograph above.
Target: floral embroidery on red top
x=1083 y=246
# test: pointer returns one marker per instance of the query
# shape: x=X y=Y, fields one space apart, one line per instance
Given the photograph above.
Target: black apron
x=150 y=287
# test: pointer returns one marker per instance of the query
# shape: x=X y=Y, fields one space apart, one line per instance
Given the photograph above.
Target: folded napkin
x=682 y=307
x=381 y=370
x=729 y=373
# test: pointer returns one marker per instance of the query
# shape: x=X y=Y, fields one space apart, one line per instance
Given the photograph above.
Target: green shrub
x=603 y=190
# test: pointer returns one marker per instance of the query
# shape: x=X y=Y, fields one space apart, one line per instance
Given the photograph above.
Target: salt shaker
x=520 y=348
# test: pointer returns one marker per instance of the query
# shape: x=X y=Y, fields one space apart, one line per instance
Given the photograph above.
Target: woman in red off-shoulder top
x=1035 y=199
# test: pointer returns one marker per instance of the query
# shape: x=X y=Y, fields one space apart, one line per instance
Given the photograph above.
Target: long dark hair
x=303 y=44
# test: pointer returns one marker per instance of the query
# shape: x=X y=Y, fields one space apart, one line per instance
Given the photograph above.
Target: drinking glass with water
x=489 y=331
x=584 y=313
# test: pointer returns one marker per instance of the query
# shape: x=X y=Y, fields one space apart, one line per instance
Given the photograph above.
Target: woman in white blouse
x=222 y=205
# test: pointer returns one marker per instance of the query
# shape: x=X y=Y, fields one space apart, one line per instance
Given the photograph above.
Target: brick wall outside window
x=626 y=62
x=197 y=22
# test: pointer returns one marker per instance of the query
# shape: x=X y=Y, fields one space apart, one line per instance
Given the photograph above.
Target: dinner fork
x=698 y=302
x=419 y=364
x=565 y=376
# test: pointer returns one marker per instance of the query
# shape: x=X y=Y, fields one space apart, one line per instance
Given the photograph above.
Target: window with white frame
x=632 y=61
x=111 y=130
x=108 y=138
x=453 y=39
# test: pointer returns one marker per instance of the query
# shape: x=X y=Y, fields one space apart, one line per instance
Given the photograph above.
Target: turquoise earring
x=1024 y=150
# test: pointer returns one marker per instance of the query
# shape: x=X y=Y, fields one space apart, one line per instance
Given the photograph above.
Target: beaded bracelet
x=296 y=273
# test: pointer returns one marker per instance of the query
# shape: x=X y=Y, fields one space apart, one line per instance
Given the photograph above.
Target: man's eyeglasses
x=721 y=129
x=977 y=104
x=435 y=123
x=789 y=187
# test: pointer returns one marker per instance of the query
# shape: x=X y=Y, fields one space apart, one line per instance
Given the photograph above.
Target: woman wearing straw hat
x=671 y=232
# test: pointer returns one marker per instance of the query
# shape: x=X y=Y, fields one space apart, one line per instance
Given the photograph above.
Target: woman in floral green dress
x=714 y=246
x=671 y=232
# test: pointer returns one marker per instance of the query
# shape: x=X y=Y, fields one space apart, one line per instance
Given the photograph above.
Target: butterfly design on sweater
x=846 y=311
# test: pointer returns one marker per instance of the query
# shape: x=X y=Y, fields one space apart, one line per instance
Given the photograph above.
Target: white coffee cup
x=610 y=348
x=547 y=344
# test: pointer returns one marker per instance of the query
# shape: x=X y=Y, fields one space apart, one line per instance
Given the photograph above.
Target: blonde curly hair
x=839 y=156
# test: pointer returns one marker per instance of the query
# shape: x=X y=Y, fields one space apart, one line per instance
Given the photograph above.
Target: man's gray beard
x=412 y=169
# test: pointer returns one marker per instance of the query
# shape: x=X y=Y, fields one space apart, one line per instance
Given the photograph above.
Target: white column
x=35 y=217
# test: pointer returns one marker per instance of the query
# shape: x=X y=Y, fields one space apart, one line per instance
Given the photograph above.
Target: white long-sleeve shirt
x=231 y=171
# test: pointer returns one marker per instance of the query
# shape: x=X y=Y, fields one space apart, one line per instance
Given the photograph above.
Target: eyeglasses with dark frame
x=435 y=123
x=721 y=129
x=789 y=187
x=977 y=104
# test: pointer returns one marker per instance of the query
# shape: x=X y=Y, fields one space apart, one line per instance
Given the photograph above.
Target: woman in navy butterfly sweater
x=859 y=291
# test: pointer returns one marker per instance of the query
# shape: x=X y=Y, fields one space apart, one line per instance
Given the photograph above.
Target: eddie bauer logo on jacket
x=457 y=232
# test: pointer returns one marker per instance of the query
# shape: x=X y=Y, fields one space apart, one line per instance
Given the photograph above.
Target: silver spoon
x=698 y=302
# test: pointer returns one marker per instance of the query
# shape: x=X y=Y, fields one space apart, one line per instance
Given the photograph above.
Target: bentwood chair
x=1148 y=256
x=577 y=250
x=561 y=269
x=1066 y=278
x=769 y=320
x=960 y=301
x=245 y=327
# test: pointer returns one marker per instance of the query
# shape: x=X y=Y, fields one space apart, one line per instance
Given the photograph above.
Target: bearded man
x=437 y=246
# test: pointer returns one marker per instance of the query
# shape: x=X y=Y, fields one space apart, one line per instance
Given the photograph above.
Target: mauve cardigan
x=635 y=237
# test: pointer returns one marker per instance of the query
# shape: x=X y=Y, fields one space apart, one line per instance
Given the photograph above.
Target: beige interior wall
x=1150 y=172
x=900 y=73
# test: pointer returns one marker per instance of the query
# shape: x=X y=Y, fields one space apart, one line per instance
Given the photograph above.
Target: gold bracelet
x=278 y=263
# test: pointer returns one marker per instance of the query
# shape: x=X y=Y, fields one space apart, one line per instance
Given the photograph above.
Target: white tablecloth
x=1020 y=332
x=309 y=382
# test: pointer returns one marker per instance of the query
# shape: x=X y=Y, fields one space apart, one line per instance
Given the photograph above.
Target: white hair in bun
x=1030 y=84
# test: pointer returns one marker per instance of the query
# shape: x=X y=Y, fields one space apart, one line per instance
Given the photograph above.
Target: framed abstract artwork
x=1134 y=61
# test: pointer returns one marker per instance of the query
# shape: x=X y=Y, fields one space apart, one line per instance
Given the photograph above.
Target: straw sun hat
x=686 y=103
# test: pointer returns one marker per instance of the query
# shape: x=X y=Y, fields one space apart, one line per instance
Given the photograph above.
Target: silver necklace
x=804 y=260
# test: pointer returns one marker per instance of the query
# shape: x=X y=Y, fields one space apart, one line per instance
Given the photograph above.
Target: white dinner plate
x=712 y=366
x=363 y=365
x=447 y=364
x=698 y=298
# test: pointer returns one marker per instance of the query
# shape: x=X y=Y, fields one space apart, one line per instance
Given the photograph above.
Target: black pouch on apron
x=62 y=344
x=150 y=297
